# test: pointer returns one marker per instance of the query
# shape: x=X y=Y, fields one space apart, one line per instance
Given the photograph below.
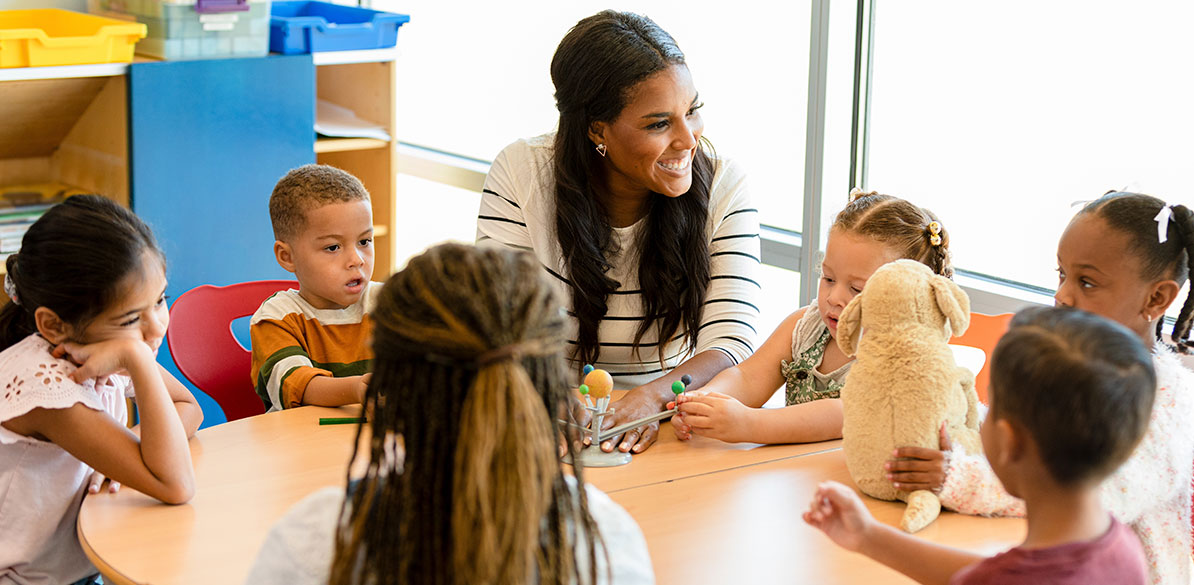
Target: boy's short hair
x=309 y=187
x=1081 y=385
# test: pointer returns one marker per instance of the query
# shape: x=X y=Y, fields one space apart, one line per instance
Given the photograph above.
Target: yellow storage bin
x=47 y=37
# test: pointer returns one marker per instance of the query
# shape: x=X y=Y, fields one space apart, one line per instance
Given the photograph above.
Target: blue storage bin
x=310 y=27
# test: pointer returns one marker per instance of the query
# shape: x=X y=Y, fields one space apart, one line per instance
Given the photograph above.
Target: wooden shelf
x=63 y=72
x=346 y=144
x=362 y=56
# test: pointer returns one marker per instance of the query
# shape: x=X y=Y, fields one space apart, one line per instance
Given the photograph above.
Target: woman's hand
x=102 y=359
x=715 y=415
x=917 y=468
x=637 y=403
x=97 y=480
x=838 y=512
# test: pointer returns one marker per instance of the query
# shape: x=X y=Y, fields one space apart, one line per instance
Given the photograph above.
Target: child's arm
x=724 y=418
x=838 y=512
x=159 y=463
x=751 y=382
x=282 y=370
x=329 y=391
x=185 y=404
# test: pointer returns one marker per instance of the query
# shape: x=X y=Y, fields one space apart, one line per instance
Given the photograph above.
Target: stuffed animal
x=905 y=383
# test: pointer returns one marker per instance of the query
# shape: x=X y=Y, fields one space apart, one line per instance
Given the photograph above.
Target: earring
x=1149 y=318
x=601 y=149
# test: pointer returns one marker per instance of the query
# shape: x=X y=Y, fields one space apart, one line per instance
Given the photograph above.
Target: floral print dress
x=802 y=380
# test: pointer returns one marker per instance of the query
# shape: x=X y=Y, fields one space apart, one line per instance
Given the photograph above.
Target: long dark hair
x=469 y=379
x=1135 y=215
x=72 y=261
x=594 y=69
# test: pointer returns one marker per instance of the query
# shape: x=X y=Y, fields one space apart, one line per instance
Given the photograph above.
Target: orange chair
x=204 y=349
x=984 y=332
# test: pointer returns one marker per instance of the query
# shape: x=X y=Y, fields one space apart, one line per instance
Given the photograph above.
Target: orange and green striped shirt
x=293 y=342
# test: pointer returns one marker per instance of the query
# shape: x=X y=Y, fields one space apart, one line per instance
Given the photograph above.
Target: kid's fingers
x=919 y=465
x=909 y=478
x=913 y=487
x=919 y=453
x=113 y=486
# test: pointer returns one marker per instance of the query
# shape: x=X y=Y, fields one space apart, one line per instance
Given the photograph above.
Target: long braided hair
x=1135 y=214
x=468 y=380
x=594 y=69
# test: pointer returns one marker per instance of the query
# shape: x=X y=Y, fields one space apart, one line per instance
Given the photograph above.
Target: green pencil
x=341 y=421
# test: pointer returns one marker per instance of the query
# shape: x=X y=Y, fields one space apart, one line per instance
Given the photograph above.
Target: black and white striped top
x=518 y=210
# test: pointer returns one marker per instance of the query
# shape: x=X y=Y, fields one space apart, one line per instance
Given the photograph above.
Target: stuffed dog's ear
x=848 y=324
x=953 y=302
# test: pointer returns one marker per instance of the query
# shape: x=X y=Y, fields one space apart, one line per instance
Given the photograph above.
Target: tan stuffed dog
x=904 y=383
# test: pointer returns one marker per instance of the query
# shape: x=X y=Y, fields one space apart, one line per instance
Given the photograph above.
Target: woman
x=464 y=482
x=650 y=236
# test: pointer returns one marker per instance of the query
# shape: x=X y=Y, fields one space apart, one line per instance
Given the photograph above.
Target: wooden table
x=711 y=512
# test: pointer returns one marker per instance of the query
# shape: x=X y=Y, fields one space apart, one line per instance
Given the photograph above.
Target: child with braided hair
x=464 y=483
x=801 y=353
x=1124 y=257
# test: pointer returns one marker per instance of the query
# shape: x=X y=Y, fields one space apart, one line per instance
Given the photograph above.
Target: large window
x=999 y=116
x=474 y=76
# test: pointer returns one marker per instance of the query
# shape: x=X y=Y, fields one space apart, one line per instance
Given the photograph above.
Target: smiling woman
x=648 y=233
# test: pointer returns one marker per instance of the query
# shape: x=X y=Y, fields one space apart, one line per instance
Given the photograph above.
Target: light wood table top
x=711 y=512
x=744 y=525
x=247 y=474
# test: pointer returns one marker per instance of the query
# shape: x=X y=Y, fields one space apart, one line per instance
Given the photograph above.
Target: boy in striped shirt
x=311 y=345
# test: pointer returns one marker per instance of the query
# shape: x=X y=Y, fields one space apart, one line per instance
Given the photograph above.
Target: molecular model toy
x=596 y=388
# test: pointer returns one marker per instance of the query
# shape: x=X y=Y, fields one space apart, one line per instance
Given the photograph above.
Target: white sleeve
x=501 y=219
x=299 y=547
x=731 y=313
x=623 y=540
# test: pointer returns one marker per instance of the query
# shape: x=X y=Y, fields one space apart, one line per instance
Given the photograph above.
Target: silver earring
x=601 y=149
x=1149 y=318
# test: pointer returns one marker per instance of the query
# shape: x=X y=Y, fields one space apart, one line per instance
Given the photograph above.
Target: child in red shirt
x=1071 y=394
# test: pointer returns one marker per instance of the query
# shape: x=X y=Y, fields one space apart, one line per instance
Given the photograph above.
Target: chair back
x=205 y=350
x=984 y=332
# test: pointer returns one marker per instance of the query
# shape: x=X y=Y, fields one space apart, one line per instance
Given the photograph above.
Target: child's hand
x=98 y=360
x=838 y=512
x=97 y=480
x=716 y=415
x=917 y=468
x=360 y=390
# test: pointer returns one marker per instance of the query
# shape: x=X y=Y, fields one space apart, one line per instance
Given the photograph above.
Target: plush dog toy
x=905 y=383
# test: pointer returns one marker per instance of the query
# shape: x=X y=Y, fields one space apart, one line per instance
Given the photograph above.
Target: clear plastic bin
x=197 y=29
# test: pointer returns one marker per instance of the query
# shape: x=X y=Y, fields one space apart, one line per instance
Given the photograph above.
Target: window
x=999 y=116
x=474 y=76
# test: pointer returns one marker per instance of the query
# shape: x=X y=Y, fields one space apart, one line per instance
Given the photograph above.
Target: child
x=1071 y=394
x=870 y=232
x=310 y=346
x=86 y=315
x=469 y=371
x=1113 y=263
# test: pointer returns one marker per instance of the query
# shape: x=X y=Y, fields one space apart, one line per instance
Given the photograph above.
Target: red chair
x=984 y=332
x=204 y=349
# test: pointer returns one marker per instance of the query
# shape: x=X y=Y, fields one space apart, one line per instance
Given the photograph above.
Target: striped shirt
x=518 y=211
x=293 y=342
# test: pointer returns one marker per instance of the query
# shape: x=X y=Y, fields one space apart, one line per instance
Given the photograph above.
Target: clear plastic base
x=593 y=456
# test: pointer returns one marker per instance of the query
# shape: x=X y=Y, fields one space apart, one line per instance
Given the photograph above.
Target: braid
x=1183 y=221
x=468 y=377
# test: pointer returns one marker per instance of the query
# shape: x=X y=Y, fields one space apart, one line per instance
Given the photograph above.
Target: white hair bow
x=1162 y=220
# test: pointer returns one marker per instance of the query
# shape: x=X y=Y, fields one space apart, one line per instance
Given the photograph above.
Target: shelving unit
x=65 y=125
x=363 y=81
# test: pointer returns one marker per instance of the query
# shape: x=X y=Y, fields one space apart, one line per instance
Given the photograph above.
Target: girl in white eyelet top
x=86 y=316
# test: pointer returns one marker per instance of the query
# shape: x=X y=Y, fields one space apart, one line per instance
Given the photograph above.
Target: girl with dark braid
x=1124 y=257
x=464 y=483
